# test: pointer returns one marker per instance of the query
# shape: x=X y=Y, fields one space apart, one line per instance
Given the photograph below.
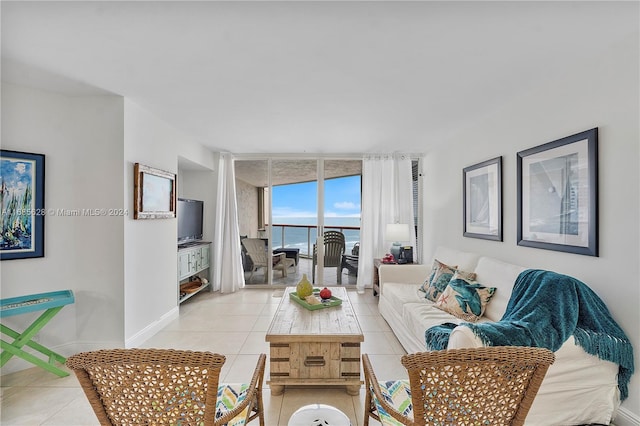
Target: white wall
x=201 y=185
x=122 y=271
x=81 y=138
x=150 y=270
x=603 y=93
x=247 y=196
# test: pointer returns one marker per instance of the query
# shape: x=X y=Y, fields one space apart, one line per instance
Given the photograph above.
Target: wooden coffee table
x=314 y=348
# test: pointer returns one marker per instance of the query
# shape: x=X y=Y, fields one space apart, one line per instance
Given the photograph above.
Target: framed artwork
x=482 y=204
x=558 y=195
x=22 y=203
x=154 y=193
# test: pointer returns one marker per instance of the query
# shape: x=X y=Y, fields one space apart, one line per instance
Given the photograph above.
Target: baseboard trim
x=626 y=418
x=17 y=364
x=143 y=335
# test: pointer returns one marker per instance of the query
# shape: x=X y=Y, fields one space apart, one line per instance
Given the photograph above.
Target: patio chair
x=350 y=262
x=492 y=385
x=334 y=246
x=165 y=386
x=257 y=251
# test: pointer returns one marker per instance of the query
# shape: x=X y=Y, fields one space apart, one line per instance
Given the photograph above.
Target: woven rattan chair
x=334 y=246
x=165 y=387
x=493 y=385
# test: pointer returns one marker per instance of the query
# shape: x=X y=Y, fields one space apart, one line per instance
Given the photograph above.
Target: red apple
x=325 y=293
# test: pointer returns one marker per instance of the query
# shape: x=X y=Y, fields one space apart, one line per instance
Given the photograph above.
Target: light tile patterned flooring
x=231 y=324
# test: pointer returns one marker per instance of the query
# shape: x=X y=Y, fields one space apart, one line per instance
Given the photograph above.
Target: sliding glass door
x=294 y=212
x=253 y=200
x=299 y=200
x=341 y=219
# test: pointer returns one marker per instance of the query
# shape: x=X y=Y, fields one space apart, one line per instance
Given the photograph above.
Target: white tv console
x=194 y=260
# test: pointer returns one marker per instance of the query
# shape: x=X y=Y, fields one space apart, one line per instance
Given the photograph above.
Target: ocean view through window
x=295 y=212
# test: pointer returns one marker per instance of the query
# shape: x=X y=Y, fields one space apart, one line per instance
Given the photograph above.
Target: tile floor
x=234 y=325
x=294 y=275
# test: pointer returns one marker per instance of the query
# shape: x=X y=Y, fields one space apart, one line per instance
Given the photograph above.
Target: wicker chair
x=495 y=385
x=165 y=386
x=334 y=246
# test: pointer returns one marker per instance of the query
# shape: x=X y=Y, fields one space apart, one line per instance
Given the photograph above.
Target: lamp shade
x=397 y=232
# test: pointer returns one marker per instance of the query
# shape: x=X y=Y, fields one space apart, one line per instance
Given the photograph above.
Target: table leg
x=34 y=345
x=353 y=390
x=7 y=348
x=276 y=389
x=21 y=339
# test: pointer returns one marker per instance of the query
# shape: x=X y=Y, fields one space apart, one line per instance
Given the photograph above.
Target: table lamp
x=397 y=232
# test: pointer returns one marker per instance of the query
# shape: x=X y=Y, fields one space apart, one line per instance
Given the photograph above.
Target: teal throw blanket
x=545 y=309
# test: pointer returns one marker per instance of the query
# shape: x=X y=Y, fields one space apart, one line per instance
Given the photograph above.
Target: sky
x=16 y=175
x=342 y=199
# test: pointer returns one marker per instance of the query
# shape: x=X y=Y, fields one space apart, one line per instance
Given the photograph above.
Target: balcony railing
x=304 y=236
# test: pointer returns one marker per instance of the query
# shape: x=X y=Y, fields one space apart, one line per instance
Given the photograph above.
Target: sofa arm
x=411 y=274
x=463 y=337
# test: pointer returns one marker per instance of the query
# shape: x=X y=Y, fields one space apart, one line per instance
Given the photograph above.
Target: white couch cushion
x=501 y=275
x=463 y=260
x=398 y=294
x=418 y=317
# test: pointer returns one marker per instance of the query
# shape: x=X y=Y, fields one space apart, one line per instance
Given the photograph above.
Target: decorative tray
x=334 y=301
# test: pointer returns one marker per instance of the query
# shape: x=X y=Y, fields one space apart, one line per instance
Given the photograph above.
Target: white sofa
x=579 y=388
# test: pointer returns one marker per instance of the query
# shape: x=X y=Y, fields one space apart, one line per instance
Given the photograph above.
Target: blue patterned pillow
x=465 y=298
x=438 y=280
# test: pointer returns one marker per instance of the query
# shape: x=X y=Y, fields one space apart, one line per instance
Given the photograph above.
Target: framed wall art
x=154 y=193
x=558 y=195
x=482 y=204
x=22 y=204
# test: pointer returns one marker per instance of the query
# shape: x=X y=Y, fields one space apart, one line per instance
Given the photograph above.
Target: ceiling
x=327 y=77
x=284 y=171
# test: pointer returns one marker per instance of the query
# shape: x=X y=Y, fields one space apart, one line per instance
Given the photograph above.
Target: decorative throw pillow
x=465 y=298
x=438 y=279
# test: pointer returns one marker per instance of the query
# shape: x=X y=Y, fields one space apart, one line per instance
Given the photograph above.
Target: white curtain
x=227 y=275
x=387 y=197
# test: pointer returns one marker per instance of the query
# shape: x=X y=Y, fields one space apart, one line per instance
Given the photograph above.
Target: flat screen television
x=189 y=217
